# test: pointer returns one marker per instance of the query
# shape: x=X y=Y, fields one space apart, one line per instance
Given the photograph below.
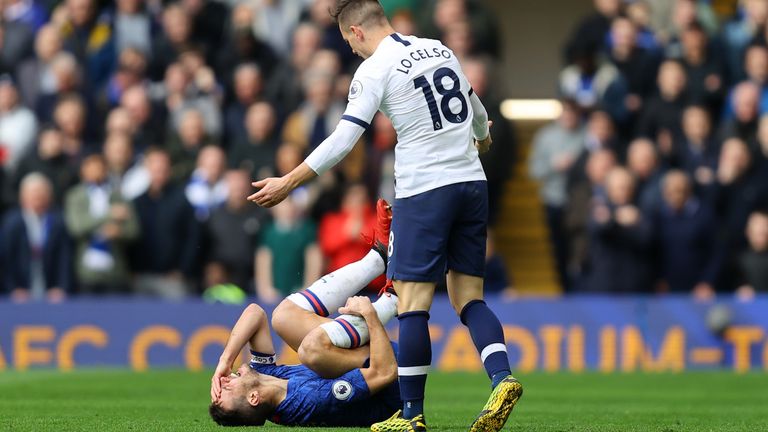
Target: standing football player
x=441 y=209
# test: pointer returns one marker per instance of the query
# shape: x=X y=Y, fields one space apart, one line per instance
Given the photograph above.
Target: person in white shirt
x=441 y=201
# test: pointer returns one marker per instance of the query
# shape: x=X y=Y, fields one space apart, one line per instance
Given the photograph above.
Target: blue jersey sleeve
x=346 y=389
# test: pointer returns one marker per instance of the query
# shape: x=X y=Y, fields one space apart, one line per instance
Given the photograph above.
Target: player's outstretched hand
x=272 y=191
x=359 y=305
x=484 y=145
x=222 y=370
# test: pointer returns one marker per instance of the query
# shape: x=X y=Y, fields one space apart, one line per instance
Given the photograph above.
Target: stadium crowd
x=655 y=176
x=130 y=132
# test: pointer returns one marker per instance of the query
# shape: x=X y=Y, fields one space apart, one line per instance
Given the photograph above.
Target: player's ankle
x=498 y=377
x=413 y=408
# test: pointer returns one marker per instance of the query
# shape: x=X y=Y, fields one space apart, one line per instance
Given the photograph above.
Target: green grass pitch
x=113 y=400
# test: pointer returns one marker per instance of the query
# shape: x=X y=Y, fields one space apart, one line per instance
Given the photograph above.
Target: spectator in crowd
x=288 y=257
x=186 y=144
x=703 y=67
x=661 y=117
x=589 y=35
x=18 y=126
x=148 y=120
x=285 y=88
x=209 y=19
x=639 y=12
x=698 y=153
x=102 y=224
x=555 y=149
x=739 y=190
x=315 y=119
x=753 y=262
x=166 y=255
x=274 y=22
x=207 y=189
x=34 y=74
x=637 y=65
x=256 y=153
x=619 y=239
x=28 y=12
x=584 y=193
x=36 y=246
x=686 y=251
x=738 y=33
x=119 y=121
x=247 y=88
x=50 y=160
x=172 y=41
x=342 y=234
x=133 y=26
x=599 y=134
x=499 y=160
x=189 y=86
x=743 y=125
x=245 y=46
x=756 y=70
x=90 y=38
x=67 y=78
x=16 y=41
x=482 y=26
x=594 y=84
x=70 y=118
x=670 y=18
x=643 y=163
x=125 y=177
x=233 y=230
x=130 y=71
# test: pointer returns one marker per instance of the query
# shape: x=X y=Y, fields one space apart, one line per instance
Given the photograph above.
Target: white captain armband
x=262 y=359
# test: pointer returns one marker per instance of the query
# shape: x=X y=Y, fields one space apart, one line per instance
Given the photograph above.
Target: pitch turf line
x=116 y=400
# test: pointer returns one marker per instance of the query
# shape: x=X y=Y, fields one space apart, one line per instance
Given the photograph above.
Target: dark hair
x=358 y=12
x=243 y=415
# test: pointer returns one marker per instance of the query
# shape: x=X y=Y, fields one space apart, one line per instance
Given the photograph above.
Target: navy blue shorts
x=439 y=230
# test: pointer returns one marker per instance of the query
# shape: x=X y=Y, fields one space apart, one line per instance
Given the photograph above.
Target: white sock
x=350 y=331
x=331 y=292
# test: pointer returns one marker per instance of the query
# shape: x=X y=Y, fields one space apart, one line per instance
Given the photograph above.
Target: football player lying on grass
x=348 y=375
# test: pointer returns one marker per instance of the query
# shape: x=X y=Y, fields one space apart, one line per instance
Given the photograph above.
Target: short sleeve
x=348 y=388
x=365 y=95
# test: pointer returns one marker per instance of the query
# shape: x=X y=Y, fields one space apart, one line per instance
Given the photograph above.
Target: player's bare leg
x=466 y=294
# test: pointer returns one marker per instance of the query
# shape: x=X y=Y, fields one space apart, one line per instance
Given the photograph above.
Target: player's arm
x=480 y=124
x=252 y=328
x=383 y=365
x=365 y=95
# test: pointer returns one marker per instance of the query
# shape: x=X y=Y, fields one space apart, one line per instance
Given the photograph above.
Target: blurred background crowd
x=655 y=176
x=130 y=131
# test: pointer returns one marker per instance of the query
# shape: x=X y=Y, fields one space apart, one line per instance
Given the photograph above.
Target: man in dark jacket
x=166 y=254
x=36 y=247
x=688 y=260
x=619 y=240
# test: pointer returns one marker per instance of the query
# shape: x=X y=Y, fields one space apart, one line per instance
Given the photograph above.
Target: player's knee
x=257 y=311
x=313 y=348
x=281 y=316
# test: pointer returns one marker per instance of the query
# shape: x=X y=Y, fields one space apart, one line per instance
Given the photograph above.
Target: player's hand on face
x=272 y=191
x=222 y=370
x=358 y=305
x=484 y=145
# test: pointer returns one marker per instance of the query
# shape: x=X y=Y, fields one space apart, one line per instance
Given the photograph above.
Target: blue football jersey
x=315 y=401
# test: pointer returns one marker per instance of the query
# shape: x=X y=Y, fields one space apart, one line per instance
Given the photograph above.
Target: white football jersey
x=418 y=83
